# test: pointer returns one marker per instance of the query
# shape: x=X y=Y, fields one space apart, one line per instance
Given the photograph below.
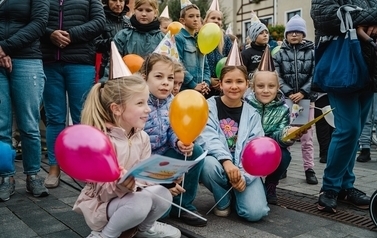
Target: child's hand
x=175 y=191
x=232 y=171
x=215 y=83
x=240 y=186
x=298 y=135
x=129 y=183
x=296 y=97
x=185 y=149
x=205 y=88
x=199 y=87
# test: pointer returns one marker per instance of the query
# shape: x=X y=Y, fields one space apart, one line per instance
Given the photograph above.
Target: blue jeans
x=21 y=90
x=366 y=133
x=350 y=114
x=250 y=204
x=284 y=163
x=191 y=179
x=64 y=79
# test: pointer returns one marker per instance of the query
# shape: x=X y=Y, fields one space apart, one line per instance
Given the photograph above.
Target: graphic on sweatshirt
x=230 y=129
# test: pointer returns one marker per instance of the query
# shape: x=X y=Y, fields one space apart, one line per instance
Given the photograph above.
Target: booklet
x=161 y=169
x=299 y=112
x=305 y=127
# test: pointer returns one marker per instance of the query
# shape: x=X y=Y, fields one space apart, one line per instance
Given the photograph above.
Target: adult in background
x=21 y=86
x=351 y=108
x=68 y=59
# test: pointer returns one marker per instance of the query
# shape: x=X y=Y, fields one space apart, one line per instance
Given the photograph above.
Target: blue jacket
x=158 y=127
x=192 y=60
x=213 y=138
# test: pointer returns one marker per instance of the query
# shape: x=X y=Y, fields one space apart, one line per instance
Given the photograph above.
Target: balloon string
x=219 y=201
x=180 y=199
x=204 y=59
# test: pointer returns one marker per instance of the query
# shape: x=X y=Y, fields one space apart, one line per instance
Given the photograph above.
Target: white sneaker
x=161 y=230
x=222 y=213
x=95 y=234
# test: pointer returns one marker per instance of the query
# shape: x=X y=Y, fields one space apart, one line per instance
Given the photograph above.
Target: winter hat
x=296 y=23
x=256 y=27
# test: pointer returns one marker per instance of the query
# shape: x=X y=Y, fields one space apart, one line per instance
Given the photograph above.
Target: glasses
x=297 y=33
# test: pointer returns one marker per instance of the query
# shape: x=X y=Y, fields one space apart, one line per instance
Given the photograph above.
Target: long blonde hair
x=97 y=111
x=220 y=47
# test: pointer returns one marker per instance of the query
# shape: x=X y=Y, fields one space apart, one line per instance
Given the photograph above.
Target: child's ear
x=144 y=77
x=182 y=21
x=116 y=109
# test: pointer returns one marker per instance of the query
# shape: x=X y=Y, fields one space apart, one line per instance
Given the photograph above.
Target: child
x=259 y=37
x=119 y=108
x=223 y=49
x=159 y=74
x=164 y=23
x=294 y=63
x=231 y=125
x=270 y=104
x=189 y=54
x=179 y=74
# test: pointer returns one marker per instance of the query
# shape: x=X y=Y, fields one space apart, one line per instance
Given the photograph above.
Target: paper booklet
x=161 y=169
x=305 y=127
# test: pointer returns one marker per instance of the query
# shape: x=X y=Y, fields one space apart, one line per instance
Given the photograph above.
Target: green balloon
x=275 y=50
x=219 y=66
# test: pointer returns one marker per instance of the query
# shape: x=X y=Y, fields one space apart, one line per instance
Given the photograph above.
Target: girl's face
x=136 y=111
x=265 y=86
x=178 y=81
x=160 y=80
x=164 y=26
x=233 y=85
x=116 y=6
x=262 y=38
x=145 y=14
x=215 y=17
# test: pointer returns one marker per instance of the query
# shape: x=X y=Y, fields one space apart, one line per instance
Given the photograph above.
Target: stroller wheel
x=373 y=208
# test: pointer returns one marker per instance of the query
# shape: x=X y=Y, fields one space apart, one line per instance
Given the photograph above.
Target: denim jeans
x=21 y=91
x=366 y=133
x=250 y=204
x=284 y=163
x=350 y=114
x=191 y=179
x=64 y=79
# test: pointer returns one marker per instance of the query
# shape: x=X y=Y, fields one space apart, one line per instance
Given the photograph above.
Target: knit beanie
x=296 y=23
x=255 y=29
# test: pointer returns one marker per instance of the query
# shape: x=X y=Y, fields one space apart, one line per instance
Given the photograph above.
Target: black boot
x=364 y=155
x=310 y=176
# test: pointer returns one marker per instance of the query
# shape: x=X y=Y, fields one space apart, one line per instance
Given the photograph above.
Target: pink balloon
x=261 y=156
x=86 y=153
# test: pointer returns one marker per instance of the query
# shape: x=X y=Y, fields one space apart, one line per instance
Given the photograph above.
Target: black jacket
x=326 y=22
x=252 y=56
x=84 y=20
x=22 y=23
x=114 y=23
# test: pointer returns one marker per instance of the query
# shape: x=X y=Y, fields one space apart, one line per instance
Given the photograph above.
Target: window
x=267 y=20
x=292 y=13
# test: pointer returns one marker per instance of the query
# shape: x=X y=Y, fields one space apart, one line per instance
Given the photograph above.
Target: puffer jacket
x=192 y=59
x=22 y=23
x=161 y=134
x=84 y=20
x=295 y=66
x=275 y=117
x=114 y=23
x=94 y=197
x=326 y=23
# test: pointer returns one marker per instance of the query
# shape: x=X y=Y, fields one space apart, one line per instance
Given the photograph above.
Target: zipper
x=296 y=73
x=60 y=23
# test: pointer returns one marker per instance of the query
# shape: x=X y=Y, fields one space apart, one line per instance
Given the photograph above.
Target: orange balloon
x=188 y=115
x=133 y=62
x=174 y=27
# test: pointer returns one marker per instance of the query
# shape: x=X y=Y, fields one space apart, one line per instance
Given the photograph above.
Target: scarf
x=154 y=25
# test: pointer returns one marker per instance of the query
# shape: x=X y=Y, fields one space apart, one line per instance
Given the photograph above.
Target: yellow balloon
x=209 y=37
x=188 y=115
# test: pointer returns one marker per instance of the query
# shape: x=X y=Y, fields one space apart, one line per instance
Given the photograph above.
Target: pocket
x=190 y=56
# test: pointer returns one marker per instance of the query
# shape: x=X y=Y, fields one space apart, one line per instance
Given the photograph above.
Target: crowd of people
x=47 y=60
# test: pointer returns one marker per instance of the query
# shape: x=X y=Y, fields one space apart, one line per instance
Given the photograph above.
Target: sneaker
x=222 y=212
x=95 y=234
x=327 y=201
x=190 y=219
x=7 y=188
x=310 y=176
x=323 y=159
x=364 y=155
x=52 y=181
x=354 y=197
x=161 y=230
x=271 y=193
x=34 y=185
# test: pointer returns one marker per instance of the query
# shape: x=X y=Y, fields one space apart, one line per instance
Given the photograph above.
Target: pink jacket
x=94 y=197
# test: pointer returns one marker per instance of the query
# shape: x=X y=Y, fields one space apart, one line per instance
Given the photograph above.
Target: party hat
x=266 y=63
x=229 y=30
x=185 y=3
x=168 y=47
x=165 y=12
x=117 y=66
x=215 y=5
x=234 y=57
x=254 y=18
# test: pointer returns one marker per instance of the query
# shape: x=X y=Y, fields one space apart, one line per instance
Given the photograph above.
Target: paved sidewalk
x=26 y=216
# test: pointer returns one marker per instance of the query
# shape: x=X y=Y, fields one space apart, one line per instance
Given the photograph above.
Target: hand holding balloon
x=240 y=186
x=185 y=149
x=175 y=191
x=232 y=171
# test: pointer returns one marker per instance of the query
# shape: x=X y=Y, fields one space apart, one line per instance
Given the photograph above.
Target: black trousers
x=323 y=129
